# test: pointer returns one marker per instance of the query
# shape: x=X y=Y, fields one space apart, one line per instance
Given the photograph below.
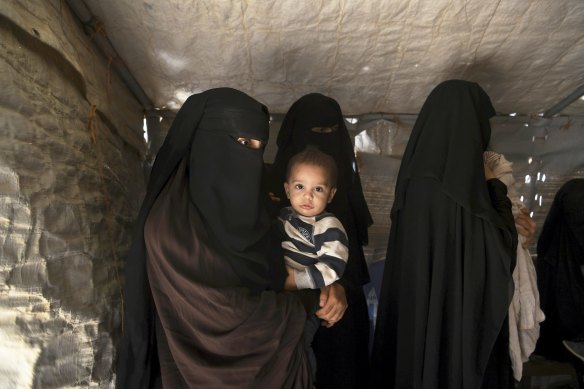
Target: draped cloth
x=560 y=260
x=342 y=350
x=200 y=305
x=525 y=314
x=447 y=282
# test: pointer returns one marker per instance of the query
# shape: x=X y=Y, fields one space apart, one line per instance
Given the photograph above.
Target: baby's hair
x=311 y=155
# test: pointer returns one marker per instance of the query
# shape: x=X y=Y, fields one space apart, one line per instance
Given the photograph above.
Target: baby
x=315 y=244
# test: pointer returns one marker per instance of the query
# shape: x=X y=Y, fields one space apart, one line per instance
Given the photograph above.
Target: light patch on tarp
x=171 y=62
x=18 y=357
x=378 y=137
x=370 y=55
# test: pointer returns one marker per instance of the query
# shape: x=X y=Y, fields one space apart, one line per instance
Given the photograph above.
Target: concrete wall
x=71 y=181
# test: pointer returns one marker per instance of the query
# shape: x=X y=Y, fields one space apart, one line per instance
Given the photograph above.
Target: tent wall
x=71 y=146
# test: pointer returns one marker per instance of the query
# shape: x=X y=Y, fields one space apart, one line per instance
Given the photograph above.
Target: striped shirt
x=316 y=248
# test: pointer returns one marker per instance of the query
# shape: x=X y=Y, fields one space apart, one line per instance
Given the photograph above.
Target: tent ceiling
x=371 y=55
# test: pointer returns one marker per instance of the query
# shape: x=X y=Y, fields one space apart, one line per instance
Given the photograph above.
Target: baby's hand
x=333 y=304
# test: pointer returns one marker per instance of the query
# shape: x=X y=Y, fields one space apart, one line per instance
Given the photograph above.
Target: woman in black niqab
x=447 y=281
x=199 y=311
x=560 y=260
x=341 y=350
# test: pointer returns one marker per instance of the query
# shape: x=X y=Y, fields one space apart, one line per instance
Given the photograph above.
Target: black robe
x=342 y=350
x=198 y=308
x=447 y=281
x=560 y=256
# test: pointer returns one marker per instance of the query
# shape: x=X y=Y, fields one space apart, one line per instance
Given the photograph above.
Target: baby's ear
x=286 y=189
x=332 y=194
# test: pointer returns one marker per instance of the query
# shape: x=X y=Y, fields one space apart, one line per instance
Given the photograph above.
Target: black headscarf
x=317 y=110
x=226 y=193
x=225 y=188
x=447 y=142
x=560 y=254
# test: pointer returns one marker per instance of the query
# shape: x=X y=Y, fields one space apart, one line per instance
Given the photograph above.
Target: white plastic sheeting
x=371 y=55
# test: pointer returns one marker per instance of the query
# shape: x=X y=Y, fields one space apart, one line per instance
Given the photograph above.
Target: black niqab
x=226 y=194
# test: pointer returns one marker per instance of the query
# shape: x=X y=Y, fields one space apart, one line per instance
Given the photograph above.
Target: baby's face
x=308 y=189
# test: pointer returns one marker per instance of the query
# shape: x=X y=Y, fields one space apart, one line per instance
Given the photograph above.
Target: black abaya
x=560 y=258
x=198 y=309
x=447 y=281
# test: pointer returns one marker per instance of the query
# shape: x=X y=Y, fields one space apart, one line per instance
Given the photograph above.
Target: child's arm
x=332 y=251
x=332 y=248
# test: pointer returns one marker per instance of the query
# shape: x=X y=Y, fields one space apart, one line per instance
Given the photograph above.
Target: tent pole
x=565 y=102
x=90 y=26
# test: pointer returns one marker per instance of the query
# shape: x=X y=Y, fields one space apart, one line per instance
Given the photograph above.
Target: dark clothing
x=447 y=281
x=342 y=350
x=310 y=327
x=560 y=255
x=198 y=309
x=217 y=332
x=435 y=328
x=498 y=374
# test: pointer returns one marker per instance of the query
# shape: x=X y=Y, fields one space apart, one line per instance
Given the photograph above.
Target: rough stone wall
x=71 y=181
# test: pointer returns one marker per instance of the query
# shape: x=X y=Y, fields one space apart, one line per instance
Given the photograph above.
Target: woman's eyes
x=250 y=143
x=325 y=130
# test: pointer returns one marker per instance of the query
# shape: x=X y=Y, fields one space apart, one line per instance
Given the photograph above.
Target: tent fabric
x=371 y=56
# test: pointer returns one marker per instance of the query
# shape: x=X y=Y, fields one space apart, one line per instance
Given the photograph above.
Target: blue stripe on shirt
x=316 y=277
x=331 y=235
x=300 y=258
x=300 y=245
x=337 y=264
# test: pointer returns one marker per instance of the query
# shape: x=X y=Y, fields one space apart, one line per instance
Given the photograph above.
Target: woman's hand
x=333 y=304
x=525 y=226
x=489 y=172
